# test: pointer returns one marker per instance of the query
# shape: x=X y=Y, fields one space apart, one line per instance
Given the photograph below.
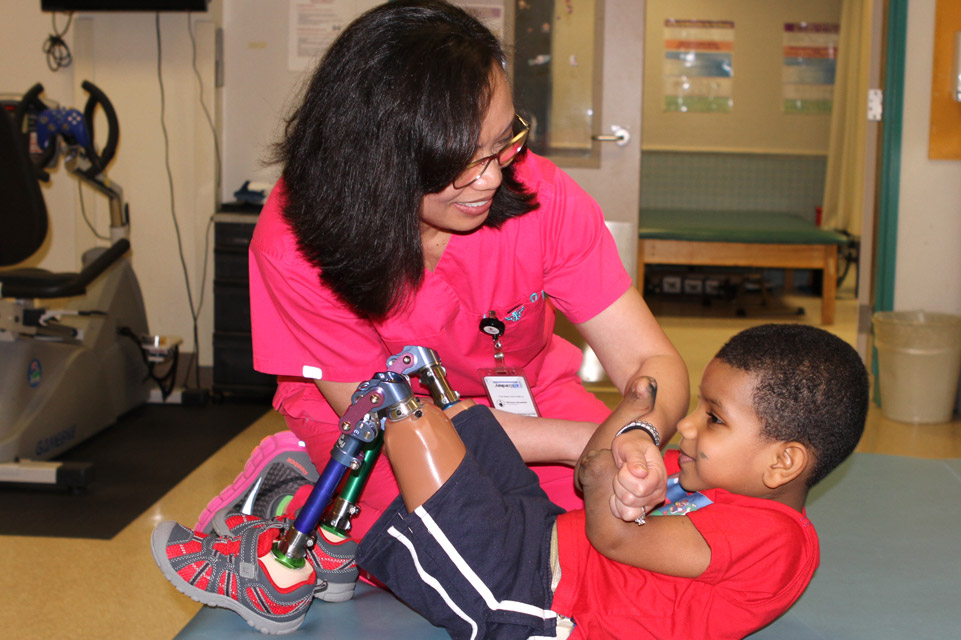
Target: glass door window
x=557 y=76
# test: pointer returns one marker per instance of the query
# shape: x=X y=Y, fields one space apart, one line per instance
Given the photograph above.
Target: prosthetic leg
x=263 y=573
x=386 y=398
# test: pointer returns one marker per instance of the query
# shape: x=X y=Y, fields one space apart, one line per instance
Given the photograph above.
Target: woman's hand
x=640 y=481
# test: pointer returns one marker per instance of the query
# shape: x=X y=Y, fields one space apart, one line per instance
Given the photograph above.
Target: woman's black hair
x=392 y=113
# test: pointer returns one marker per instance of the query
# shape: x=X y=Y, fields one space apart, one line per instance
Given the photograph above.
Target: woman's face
x=463 y=210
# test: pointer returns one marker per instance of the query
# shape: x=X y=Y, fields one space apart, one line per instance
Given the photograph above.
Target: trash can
x=919 y=364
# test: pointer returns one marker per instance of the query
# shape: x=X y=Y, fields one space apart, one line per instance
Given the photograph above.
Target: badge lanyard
x=507 y=387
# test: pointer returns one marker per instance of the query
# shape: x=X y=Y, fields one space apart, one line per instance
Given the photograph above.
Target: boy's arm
x=666 y=544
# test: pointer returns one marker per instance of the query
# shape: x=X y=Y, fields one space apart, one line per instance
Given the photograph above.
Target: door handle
x=620 y=136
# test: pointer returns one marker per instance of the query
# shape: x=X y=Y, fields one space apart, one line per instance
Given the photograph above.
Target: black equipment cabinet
x=234 y=373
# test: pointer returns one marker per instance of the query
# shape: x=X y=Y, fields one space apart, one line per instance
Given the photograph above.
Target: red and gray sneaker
x=277 y=467
x=227 y=572
x=333 y=562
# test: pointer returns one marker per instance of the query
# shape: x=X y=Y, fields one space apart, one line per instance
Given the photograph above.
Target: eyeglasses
x=504 y=157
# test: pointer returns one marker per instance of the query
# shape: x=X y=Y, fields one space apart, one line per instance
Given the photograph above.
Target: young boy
x=478 y=549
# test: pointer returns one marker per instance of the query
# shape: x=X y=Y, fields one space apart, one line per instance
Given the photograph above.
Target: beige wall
x=757 y=122
x=928 y=273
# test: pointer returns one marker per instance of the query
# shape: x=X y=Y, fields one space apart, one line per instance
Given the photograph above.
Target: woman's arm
x=630 y=343
x=546 y=440
x=632 y=346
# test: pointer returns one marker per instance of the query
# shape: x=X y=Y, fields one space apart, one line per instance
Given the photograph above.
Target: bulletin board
x=945 y=133
x=757 y=121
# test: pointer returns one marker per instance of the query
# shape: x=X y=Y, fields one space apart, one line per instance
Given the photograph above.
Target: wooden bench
x=758 y=239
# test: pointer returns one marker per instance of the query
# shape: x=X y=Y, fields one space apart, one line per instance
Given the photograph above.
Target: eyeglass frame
x=519 y=139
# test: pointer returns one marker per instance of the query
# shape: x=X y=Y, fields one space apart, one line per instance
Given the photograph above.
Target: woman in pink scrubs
x=408 y=211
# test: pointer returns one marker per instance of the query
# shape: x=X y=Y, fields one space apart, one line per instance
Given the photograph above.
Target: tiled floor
x=89 y=589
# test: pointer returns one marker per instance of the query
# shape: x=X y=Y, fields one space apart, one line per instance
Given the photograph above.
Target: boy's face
x=721 y=442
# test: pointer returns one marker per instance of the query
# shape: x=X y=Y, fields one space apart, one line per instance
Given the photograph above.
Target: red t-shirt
x=763 y=555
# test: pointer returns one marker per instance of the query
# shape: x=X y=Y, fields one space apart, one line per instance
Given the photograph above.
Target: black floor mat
x=135 y=462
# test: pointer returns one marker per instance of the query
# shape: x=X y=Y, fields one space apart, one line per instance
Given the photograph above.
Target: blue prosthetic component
x=388 y=395
x=323 y=491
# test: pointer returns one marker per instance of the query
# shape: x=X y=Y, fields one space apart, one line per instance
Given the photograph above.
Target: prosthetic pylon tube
x=387 y=396
x=424 y=363
x=344 y=507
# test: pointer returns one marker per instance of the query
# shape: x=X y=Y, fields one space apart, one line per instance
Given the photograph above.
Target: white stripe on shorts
x=432 y=581
x=482 y=589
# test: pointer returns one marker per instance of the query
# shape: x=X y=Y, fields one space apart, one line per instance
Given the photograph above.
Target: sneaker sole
x=262 y=454
x=158 y=547
x=336 y=592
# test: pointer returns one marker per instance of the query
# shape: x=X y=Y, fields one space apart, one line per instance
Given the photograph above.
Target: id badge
x=508 y=390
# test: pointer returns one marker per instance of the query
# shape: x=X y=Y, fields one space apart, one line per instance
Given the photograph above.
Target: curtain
x=844 y=182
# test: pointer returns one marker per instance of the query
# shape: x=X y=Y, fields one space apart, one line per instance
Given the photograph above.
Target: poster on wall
x=810 y=62
x=698 y=65
x=313 y=26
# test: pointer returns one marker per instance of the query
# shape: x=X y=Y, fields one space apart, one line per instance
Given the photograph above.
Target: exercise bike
x=71 y=358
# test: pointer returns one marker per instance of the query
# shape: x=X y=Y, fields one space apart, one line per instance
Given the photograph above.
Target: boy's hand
x=641 y=479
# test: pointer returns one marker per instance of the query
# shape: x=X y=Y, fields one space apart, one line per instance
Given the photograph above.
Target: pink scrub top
x=559 y=256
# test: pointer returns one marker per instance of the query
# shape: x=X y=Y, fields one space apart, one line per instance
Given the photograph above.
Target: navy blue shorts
x=475 y=558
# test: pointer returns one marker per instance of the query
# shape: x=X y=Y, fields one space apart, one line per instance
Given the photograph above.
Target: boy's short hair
x=810 y=387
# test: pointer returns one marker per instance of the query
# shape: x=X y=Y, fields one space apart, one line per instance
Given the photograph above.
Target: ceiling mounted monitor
x=123 y=5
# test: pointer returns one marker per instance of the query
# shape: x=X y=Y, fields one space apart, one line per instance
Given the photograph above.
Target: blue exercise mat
x=890 y=564
x=372 y=613
x=890 y=567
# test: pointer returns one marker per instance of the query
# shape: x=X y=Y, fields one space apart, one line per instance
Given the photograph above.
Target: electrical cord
x=848 y=254
x=217 y=183
x=165 y=381
x=203 y=104
x=55 y=47
x=83 y=212
x=194 y=310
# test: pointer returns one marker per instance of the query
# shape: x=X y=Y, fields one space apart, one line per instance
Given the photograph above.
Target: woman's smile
x=475 y=208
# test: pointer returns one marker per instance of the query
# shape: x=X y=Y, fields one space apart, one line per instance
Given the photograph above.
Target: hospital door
x=577 y=68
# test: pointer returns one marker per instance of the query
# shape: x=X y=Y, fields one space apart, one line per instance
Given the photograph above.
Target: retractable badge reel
x=507 y=387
